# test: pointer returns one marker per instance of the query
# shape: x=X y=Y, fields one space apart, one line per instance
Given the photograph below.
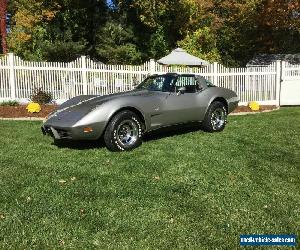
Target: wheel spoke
x=218 y=118
x=127 y=132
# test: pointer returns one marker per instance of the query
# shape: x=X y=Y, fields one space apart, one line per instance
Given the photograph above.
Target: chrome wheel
x=218 y=118
x=127 y=132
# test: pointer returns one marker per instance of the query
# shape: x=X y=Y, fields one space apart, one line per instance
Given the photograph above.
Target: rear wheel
x=215 y=118
x=124 y=132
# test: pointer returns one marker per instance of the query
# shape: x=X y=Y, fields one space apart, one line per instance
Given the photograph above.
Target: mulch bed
x=247 y=109
x=20 y=111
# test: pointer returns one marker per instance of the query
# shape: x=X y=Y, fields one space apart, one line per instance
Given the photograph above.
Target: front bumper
x=73 y=133
x=57 y=133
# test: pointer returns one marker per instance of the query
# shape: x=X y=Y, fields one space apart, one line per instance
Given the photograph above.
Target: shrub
x=33 y=107
x=9 y=103
x=40 y=96
x=254 y=106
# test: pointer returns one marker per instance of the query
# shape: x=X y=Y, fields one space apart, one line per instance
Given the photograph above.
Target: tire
x=123 y=132
x=215 y=118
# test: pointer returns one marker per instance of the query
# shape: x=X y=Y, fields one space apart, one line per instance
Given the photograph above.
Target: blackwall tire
x=216 y=118
x=124 y=132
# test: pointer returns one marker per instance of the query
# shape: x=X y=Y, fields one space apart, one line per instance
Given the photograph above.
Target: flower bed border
x=20 y=112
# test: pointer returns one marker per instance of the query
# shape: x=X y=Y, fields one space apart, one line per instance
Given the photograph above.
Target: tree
x=171 y=15
x=202 y=43
x=132 y=31
x=278 y=26
x=158 y=44
x=158 y=24
x=236 y=32
x=29 y=27
x=58 y=30
x=3 y=33
x=77 y=22
x=200 y=30
x=116 y=44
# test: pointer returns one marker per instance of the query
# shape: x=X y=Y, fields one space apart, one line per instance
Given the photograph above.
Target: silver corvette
x=159 y=101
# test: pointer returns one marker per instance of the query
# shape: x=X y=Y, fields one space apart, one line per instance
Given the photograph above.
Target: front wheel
x=215 y=118
x=124 y=132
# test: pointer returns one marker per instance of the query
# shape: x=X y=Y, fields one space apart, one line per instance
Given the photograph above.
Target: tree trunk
x=3 y=32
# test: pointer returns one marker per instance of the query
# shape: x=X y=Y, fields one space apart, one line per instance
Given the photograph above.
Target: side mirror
x=181 y=91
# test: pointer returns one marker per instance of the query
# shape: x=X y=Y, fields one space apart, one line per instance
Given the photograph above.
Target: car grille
x=63 y=134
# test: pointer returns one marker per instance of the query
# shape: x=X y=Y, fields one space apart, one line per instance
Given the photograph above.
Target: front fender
x=104 y=113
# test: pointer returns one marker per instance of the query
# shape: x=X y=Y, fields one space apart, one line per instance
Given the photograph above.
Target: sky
x=109 y=2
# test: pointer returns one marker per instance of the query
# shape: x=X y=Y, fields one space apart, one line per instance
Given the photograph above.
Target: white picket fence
x=290 y=84
x=19 y=78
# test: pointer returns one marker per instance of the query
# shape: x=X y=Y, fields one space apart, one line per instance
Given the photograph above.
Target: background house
x=267 y=59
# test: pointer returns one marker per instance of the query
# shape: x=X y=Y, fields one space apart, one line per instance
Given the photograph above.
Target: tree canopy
x=132 y=31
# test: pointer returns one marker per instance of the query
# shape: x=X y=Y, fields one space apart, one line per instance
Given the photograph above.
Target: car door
x=182 y=107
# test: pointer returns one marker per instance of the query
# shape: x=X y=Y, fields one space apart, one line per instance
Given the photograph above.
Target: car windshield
x=158 y=83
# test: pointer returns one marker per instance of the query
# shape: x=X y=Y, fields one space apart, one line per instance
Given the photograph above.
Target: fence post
x=12 y=76
x=215 y=73
x=152 y=67
x=279 y=73
x=84 y=75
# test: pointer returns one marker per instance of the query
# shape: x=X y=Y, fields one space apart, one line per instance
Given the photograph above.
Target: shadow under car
x=157 y=134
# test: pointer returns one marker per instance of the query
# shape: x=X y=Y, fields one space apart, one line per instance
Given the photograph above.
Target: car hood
x=74 y=109
x=96 y=100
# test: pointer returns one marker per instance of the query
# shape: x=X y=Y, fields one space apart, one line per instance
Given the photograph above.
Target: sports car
x=159 y=101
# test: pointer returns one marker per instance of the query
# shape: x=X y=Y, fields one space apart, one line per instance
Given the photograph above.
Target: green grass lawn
x=190 y=190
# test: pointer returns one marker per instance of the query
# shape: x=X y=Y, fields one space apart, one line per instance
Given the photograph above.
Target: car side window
x=189 y=82
x=158 y=83
x=204 y=83
x=162 y=83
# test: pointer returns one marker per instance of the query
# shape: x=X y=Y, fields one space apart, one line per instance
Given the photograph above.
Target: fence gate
x=290 y=84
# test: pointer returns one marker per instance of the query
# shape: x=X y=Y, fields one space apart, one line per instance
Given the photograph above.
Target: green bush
x=40 y=96
x=9 y=103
